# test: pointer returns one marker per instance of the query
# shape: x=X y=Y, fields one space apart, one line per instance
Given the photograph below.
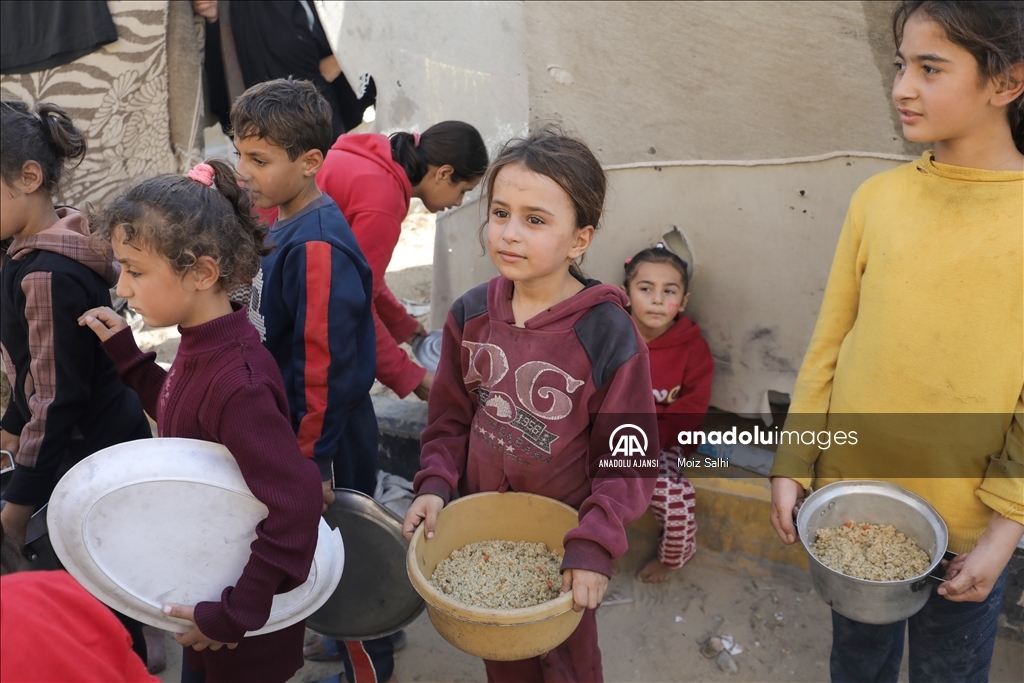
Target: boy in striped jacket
x=311 y=300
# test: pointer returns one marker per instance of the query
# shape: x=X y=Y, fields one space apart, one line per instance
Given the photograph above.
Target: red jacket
x=535 y=409
x=373 y=193
x=52 y=630
x=681 y=372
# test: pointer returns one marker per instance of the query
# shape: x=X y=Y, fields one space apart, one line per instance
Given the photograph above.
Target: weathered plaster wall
x=435 y=61
x=690 y=105
x=714 y=80
x=761 y=252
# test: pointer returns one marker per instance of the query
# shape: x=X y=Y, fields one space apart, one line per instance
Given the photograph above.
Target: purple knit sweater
x=225 y=387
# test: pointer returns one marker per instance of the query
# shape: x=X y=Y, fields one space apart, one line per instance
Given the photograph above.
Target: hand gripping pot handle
x=934 y=578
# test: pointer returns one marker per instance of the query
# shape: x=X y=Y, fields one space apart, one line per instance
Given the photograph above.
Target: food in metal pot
x=874 y=552
x=500 y=574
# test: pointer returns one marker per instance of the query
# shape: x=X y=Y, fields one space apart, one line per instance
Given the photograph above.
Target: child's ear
x=682 y=304
x=581 y=241
x=311 y=162
x=205 y=273
x=31 y=177
x=1009 y=86
x=444 y=174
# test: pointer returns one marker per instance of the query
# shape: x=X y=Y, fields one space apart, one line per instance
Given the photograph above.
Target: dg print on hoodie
x=529 y=409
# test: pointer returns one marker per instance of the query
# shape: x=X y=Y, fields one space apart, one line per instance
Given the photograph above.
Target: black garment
x=43 y=34
x=276 y=39
x=93 y=409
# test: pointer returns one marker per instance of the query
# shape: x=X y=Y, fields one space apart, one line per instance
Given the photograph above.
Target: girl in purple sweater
x=182 y=243
x=539 y=368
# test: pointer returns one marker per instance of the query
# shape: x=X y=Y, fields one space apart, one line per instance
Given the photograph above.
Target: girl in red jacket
x=372 y=180
x=681 y=368
x=539 y=367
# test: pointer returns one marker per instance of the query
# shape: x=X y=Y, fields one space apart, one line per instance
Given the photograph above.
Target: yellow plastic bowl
x=496 y=634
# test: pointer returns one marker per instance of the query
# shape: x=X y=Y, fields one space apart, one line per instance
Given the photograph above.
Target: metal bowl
x=873 y=502
x=374 y=597
x=428 y=350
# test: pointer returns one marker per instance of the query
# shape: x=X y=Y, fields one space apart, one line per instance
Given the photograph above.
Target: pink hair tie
x=415 y=139
x=202 y=173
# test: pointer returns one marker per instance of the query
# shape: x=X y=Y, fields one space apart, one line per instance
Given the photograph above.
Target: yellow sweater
x=919 y=346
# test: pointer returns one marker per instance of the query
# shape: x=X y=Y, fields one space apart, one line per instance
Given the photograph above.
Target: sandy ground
x=783 y=627
x=655 y=635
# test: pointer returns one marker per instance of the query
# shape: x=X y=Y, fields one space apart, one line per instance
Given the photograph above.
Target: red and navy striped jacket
x=311 y=306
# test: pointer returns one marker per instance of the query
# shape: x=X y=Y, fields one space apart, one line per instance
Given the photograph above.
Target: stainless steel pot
x=873 y=502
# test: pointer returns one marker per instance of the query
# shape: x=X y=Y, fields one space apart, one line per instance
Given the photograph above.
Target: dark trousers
x=949 y=641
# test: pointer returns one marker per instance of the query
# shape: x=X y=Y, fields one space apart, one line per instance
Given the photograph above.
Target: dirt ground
x=783 y=627
x=654 y=633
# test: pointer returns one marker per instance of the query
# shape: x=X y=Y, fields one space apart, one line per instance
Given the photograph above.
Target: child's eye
x=535 y=220
x=259 y=162
x=930 y=70
x=133 y=273
x=500 y=213
x=898 y=66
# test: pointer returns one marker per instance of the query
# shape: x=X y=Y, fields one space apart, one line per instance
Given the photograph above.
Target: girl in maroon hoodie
x=182 y=243
x=372 y=179
x=538 y=367
x=681 y=368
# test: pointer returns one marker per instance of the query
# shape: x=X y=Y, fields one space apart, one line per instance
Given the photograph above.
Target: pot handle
x=933 y=578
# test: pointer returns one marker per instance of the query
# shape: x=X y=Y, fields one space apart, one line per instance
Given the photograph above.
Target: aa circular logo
x=628 y=440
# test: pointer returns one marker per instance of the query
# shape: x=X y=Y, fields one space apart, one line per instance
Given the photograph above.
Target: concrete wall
x=661 y=81
x=435 y=61
x=692 y=106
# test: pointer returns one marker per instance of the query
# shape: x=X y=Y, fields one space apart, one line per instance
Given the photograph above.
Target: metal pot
x=873 y=502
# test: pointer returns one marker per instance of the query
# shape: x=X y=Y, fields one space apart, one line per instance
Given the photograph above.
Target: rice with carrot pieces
x=874 y=552
x=500 y=574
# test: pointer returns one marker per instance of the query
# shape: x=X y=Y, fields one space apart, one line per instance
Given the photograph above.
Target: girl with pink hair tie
x=182 y=243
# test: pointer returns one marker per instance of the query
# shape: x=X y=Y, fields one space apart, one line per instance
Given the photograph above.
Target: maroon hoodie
x=373 y=193
x=531 y=409
x=681 y=372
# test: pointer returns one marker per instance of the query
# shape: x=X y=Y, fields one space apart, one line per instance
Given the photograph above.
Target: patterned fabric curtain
x=119 y=98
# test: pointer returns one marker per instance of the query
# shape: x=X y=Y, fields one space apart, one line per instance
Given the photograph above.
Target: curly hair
x=183 y=220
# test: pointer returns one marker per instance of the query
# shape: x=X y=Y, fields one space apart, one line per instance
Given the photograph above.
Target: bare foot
x=655 y=572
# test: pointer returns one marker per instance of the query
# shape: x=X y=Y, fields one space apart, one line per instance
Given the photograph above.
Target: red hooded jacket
x=681 y=371
x=51 y=629
x=373 y=193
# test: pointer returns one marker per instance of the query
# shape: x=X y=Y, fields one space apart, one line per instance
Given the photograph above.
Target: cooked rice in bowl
x=874 y=552
x=500 y=574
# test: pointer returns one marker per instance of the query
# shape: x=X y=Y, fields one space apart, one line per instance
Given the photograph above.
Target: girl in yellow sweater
x=920 y=338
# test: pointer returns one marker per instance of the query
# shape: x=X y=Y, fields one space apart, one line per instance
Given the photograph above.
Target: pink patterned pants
x=673 y=505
